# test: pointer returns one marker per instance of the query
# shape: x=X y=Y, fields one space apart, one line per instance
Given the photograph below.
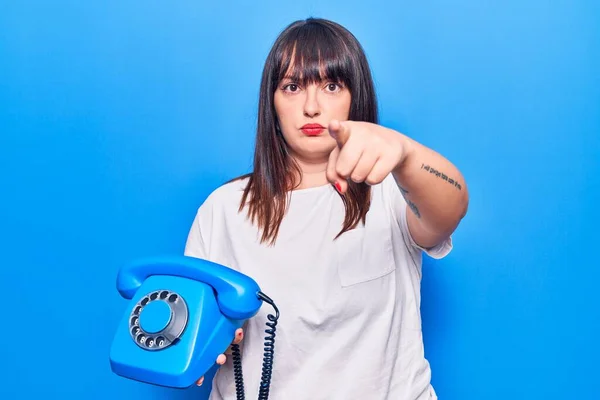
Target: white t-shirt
x=350 y=325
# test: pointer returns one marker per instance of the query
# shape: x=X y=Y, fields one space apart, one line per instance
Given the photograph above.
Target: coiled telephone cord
x=237 y=371
x=267 y=366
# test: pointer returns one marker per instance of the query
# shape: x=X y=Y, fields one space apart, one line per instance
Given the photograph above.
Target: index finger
x=339 y=131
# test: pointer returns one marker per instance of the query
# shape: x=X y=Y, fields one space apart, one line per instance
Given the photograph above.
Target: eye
x=290 y=87
x=333 y=87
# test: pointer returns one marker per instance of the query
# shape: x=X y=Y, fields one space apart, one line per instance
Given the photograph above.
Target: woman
x=331 y=223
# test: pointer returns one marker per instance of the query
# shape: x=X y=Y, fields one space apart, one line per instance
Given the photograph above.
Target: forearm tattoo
x=441 y=175
x=412 y=205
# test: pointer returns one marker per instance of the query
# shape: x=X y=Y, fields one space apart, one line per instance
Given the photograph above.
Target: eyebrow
x=300 y=79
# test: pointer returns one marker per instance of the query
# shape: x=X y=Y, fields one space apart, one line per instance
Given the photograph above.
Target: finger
x=348 y=157
x=349 y=150
x=200 y=381
x=221 y=359
x=340 y=131
x=332 y=176
x=364 y=166
x=380 y=170
x=239 y=335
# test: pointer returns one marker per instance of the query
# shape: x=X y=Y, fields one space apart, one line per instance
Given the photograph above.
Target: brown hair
x=317 y=46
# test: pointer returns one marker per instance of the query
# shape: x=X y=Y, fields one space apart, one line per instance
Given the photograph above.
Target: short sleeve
x=399 y=209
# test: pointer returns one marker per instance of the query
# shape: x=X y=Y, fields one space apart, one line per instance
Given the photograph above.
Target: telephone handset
x=237 y=297
x=183 y=313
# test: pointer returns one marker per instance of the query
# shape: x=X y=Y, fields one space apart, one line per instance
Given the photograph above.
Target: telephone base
x=193 y=332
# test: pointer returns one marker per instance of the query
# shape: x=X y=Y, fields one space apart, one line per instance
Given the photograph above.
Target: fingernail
x=338 y=186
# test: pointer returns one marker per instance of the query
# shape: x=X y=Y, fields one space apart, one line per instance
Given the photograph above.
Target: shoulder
x=229 y=191
x=223 y=200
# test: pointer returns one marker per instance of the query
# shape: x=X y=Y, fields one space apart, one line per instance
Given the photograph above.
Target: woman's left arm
x=434 y=189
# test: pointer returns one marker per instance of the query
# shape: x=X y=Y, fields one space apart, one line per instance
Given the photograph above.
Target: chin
x=312 y=146
x=315 y=150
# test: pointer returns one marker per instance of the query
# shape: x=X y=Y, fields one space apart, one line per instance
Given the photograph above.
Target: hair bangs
x=313 y=53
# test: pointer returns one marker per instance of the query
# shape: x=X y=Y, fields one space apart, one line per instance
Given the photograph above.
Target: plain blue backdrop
x=117 y=118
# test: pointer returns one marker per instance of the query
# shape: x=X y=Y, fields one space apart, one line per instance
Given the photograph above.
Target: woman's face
x=304 y=112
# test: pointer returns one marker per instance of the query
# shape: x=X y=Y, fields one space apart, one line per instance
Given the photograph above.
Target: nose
x=311 y=104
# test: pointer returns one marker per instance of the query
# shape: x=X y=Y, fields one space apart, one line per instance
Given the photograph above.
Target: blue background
x=117 y=118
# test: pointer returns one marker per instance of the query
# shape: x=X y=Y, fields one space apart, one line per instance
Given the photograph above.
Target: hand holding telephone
x=183 y=312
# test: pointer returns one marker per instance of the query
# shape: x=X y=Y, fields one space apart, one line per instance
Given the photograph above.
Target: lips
x=312 y=129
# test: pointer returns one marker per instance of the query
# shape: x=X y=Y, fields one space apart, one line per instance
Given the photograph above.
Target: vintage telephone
x=183 y=313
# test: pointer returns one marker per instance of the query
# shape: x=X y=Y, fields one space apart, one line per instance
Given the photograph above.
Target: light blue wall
x=117 y=118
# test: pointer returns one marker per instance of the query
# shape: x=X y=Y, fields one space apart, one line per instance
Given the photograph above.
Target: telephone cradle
x=182 y=313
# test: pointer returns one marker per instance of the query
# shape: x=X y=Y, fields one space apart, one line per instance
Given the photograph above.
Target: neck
x=313 y=173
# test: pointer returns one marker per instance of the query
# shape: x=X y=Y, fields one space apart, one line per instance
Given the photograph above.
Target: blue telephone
x=183 y=313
